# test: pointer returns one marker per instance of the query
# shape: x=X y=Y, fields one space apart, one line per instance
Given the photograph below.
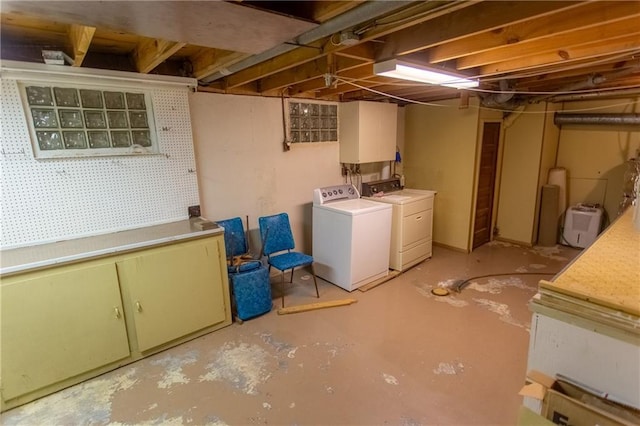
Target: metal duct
x=630 y=119
x=613 y=93
x=497 y=100
x=591 y=82
x=358 y=15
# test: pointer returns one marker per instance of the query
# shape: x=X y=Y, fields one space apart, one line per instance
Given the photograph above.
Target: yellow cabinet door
x=59 y=323
x=174 y=291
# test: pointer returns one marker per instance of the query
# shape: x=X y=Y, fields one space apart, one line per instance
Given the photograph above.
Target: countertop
x=39 y=256
x=606 y=273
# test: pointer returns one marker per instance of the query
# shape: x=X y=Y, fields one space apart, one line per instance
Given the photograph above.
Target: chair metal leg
x=313 y=273
x=282 y=288
x=291 y=280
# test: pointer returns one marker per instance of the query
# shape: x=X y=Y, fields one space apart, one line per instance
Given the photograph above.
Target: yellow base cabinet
x=67 y=323
x=59 y=323
x=169 y=291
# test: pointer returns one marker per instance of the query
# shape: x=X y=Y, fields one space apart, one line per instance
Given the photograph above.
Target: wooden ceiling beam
x=564 y=77
x=305 y=72
x=420 y=13
x=363 y=51
x=208 y=61
x=299 y=74
x=288 y=60
x=474 y=19
x=80 y=38
x=406 y=95
x=563 y=41
x=149 y=53
x=605 y=49
x=342 y=88
x=325 y=10
x=358 y=72
x=582 y=16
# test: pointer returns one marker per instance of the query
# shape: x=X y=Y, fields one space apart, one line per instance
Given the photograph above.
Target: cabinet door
x=367 y=132
x=174 y=291
x=378 y=128
x=60 y=323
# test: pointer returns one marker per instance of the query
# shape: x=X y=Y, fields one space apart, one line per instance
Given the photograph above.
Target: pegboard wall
x=58 y=199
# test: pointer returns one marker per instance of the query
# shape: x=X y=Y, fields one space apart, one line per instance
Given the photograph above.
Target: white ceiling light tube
x=407 y=71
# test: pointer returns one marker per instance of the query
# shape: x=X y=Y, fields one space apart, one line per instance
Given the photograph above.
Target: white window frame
x=133 y=149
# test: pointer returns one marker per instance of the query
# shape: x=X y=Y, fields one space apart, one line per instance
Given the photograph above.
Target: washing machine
x=351 y=237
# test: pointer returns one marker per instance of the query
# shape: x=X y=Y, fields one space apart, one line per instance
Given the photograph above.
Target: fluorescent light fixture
x=406 y=71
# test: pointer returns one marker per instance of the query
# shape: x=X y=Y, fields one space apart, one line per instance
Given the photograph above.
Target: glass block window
x=71 y=121
x=312 y=122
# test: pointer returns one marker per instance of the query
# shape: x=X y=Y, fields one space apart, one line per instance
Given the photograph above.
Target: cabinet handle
x=419 y=218
x=138 y=307
x=117 y=313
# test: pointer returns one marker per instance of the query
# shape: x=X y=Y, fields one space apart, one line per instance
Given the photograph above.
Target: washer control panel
x=334 y=193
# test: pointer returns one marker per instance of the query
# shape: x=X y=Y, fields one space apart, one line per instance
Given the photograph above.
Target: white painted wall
x=440 y=154
x=524 y=169
x=60 y=199
x=243 y=170
x=595 y=156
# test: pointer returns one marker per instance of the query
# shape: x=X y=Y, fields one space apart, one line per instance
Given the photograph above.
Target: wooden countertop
x=40 y=256
x=608 y=272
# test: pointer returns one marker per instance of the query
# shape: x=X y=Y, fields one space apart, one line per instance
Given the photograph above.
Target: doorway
x=486 y=184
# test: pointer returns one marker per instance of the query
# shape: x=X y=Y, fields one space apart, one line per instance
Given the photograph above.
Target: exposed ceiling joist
x=588 y=15
x=566 y=56
x=326 y=45
x=209 y=61
x=289 y=60
x=609 y=31
x=80 y=37
x=150 y=53
x=537 y=46
x=478 y=17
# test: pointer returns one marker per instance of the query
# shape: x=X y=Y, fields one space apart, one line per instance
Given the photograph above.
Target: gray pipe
x=590 y=82
x=497 y=100
x=355 y=16
x=630 y=119
x=595 y=95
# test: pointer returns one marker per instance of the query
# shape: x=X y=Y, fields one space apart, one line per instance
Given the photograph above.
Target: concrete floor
x=399 y=356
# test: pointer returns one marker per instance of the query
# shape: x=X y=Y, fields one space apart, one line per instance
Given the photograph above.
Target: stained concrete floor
x=399 y=356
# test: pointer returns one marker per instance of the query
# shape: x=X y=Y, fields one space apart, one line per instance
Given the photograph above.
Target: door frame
x=496 y=184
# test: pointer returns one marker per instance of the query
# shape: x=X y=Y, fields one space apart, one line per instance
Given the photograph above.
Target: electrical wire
x=492 y=91
x=631 y=56
x=413 y=101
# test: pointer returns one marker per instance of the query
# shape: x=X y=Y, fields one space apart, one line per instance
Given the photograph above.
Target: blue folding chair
x=277 y=245
x=248 y=278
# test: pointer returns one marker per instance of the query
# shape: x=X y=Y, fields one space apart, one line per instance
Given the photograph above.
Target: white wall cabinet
x=64 y=324
x=367 y=132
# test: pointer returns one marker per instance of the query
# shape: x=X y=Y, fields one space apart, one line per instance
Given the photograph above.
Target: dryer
x=351 y=237
x=412 y=221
